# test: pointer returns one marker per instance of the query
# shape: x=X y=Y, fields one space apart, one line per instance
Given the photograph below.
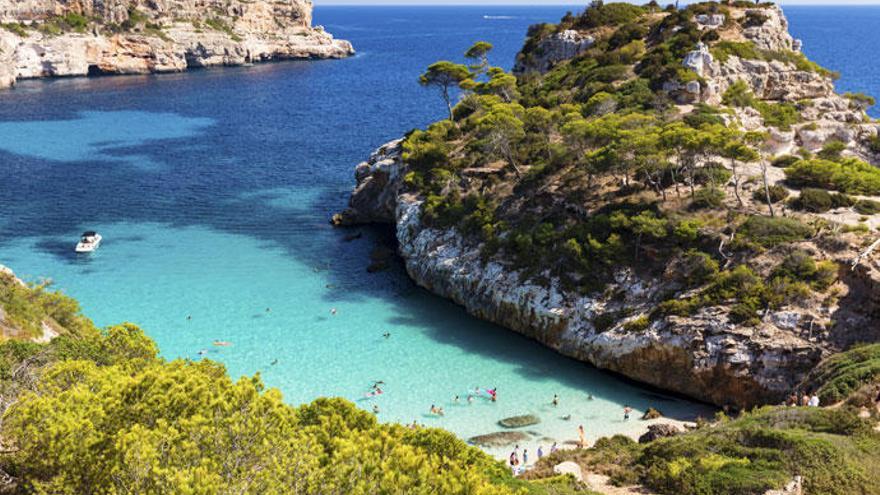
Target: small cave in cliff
x=94 y=71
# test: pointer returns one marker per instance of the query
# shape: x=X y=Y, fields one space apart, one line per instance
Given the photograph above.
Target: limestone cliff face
x=54 y=38
x=703 y=356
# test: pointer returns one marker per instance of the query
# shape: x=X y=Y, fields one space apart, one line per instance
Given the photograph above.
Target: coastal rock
x=519 y=421
x=127 y=37
x=553 y=49
x=699 y=59
x=773 y=33
x=652 y=413
x=374 y=199
x=663 y=430
x=498 y=439
x=710 y=21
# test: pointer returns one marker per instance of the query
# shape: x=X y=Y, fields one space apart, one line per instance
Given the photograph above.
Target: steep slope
x=618 y=202
x=53 y=38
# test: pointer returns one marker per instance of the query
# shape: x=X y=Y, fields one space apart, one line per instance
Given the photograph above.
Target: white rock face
x=704 y=355
x=699 y=59
x=248 y=32
x=773 y=33
x=710 y=21
x=553 y=49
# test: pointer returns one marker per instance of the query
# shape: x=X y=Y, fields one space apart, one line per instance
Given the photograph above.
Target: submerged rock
x=520 y=421
x=498 y=439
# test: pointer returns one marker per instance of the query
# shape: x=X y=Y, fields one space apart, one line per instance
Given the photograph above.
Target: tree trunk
x=736 y=183
x=767 y=188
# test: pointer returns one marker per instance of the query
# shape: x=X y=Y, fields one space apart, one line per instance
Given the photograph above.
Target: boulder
x=662 y=430
x=498 y=439
x=652 y=413
x=520 y=421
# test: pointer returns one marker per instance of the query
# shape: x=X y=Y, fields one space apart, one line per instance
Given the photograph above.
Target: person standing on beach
x=540 y=451
x=626 y=411
x=525 y=458
x=553 y=448
x=582 y=437
x=555 y=400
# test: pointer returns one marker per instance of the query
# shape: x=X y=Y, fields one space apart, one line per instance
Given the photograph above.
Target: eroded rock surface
x=134 y=37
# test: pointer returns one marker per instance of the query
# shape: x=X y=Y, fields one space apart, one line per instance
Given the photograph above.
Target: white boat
x=88 y=242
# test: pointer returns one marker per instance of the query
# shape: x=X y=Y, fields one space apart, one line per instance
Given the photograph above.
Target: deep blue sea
x=213 y=191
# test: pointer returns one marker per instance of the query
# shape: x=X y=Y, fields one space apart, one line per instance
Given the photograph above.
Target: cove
x=213 y=190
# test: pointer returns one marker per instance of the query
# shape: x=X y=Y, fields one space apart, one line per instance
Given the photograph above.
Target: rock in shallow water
x=498 y=439
x=520 y=421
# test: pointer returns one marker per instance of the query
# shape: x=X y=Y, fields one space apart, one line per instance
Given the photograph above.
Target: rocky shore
x=49 y=38
x=704 y=355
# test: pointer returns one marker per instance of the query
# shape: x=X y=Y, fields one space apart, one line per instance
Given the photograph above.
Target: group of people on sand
x=805 y=400
x=519 y=460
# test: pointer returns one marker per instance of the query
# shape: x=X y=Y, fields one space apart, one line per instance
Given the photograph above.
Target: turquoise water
x=212 y=190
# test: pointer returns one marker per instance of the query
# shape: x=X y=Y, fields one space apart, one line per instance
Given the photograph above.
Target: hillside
x=54 y=38
x=677 y=196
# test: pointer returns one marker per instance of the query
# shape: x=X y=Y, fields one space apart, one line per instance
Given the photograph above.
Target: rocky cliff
x=55 y=38
x=708 y=351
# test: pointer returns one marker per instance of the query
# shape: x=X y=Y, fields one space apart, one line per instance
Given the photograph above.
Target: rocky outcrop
x=553 y=49
x=134 y=37
x=519 y=421
x=374 y=199
x=704 y=355
x=656 y=432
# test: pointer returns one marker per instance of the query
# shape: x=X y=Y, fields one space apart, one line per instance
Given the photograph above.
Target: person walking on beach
x=626 y=411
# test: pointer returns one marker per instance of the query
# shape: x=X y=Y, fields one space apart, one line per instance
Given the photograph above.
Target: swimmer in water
x=203 y=352
x=555 y=400
x=189 y=317
x=333 y=311
x=567 y=417
x=590 y=397
x=375 y=408
x=386 y=334
x=274 y=362
x=268 y=309
x=470 y=399
x=455 y=399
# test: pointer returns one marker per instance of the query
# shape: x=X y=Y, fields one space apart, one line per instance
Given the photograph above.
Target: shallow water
x=212 y=190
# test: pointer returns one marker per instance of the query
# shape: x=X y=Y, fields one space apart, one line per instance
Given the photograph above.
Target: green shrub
x=850 y=175
x=16 y=28
x=833 y=151
x=842 y=374
x=723 y=50
x=739 y=94
x=814 y=200
x=607 y=14
x=784 y=161
x=777 y=193
x=769 y=232
x=867 y=207
x=779 y=115
x=639 y=324
x=708 y=198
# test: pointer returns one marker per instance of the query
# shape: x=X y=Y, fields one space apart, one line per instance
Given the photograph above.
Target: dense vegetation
x=834 y=451
x=98 y=412
x=571 y=174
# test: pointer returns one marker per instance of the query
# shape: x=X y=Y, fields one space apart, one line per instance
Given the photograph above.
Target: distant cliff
x=55 y=38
